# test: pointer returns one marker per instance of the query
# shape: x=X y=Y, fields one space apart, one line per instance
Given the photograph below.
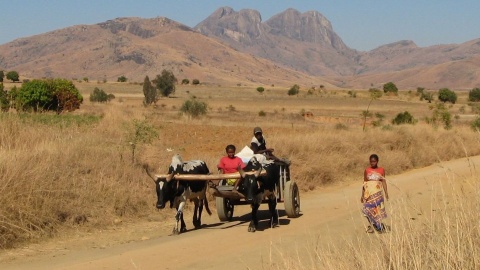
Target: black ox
x=177 y=192
x=255 y=187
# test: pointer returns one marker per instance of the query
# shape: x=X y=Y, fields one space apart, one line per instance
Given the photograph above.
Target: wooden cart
x=286 y=191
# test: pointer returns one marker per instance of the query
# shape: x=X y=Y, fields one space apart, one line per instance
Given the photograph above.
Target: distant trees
x=390 y=87
x=447 y=95
x=195 y=82
x=294 y=90
x=122 y=79
x=165 y=83
x=185 y=81
x=4 y=99
x=13 y=76
x=260 y=89
x=149 y=92
x=2 y=75
x=474 y=95
x=43 y=95
x=98 y=95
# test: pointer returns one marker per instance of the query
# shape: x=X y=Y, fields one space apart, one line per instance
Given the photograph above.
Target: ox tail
x=205 y=202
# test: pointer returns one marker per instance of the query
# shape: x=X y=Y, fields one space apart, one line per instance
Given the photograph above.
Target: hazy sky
x=362 y=24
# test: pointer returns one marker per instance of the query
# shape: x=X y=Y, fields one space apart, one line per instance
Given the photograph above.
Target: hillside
x=236 y=47
x=137 y=47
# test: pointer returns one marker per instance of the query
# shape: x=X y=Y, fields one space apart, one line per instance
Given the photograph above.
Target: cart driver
x=259 y=144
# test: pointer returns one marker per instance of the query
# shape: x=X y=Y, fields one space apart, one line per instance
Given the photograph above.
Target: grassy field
x=76 y=170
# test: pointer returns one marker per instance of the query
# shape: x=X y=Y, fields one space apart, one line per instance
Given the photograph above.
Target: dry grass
x=445 y=235
x=65 y=173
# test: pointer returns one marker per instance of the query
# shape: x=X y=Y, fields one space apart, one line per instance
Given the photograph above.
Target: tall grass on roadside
x=323 y=156
x=54 y=174
x=445 y=236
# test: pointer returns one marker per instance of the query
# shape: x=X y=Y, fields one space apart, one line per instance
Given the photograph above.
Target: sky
x=362 y=24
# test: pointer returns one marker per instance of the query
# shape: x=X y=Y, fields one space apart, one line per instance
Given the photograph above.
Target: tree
x=474 y=95
x=260 y=89
x=51 y=94
x=447 y=95
x=194 y=108
x=98 y=95
x=390 y=87
x=185 y=81
x=122 y=79
x=149 y=92
x=374 y=94
x=404 y=118
x=165 y=83
x=4 y=99
x=294 y=90
x=195 y=81
x=2 y=75
x=13 y=76
x=139 y=132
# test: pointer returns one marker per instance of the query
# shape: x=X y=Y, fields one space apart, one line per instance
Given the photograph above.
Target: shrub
x=440 y=114
x=149 y=92
x=194 y=108
x=165 y=83
x=85 y=79
x=476 y=124
x=262 y=113
x=185 y=81
x=447 y=95
x=2 y=74
x=98 y=95
x=404 y=118
x=4 y=99
x=294 y=90
x=390 y=87
x=260 y=89
x=375 y=93
x=13 y=76
x=50 y=94
x=195 y=81
x=474 y=95
x=352 y=94
x=122 y=79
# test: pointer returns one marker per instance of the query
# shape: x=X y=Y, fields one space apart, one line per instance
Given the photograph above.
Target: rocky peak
x=310 y=26
x=245 y=24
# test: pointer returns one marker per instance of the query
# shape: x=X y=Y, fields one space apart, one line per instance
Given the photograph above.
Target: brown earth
x=330 y=217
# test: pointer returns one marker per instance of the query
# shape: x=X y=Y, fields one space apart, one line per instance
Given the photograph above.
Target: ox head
x=251 y=182
x=165 y=188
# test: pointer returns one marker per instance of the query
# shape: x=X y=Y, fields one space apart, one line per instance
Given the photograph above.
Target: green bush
x=98 y=95
x=185 y=81
x=474 y=95
x=447 y=95
x=165 y=83
x=262 y=113
x=294 y=90
x=195 y=81
x=194 y=108
x=43 y=95
x=122 y=79
x=476 y=124
x=4 y=99
x=390 y=87
x=260 y=89
x=404 y=118
x=13 y=76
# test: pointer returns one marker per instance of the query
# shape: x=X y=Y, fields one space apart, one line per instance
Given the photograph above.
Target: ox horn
x=169 y=177
x=145 y=166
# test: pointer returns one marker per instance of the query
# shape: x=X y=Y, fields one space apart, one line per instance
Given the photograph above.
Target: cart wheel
x=292 y=199
x=224 y=209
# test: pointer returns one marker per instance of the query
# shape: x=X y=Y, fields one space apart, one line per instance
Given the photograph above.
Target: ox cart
x=286 y=191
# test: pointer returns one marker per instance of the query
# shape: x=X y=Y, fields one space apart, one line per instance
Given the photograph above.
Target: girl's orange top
x=374 y=174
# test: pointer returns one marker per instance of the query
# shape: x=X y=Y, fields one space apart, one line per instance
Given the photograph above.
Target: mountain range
x=237 y=47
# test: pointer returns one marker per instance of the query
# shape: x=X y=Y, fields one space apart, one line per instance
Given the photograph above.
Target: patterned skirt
x=373 y=206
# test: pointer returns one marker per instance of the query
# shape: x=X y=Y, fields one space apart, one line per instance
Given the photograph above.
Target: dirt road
x=330 y=216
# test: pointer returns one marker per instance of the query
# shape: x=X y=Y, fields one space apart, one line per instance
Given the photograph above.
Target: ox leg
x=179 y=219
x=196 y=219
x=252 y=227
x=272 y=207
